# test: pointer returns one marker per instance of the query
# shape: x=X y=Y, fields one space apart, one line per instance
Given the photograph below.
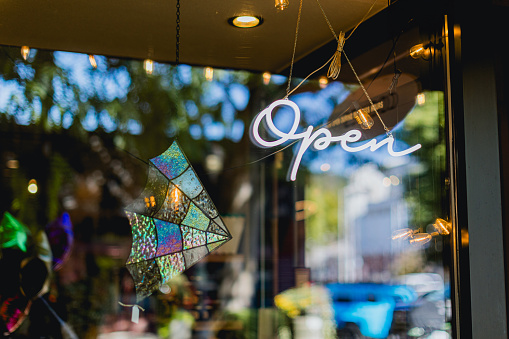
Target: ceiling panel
x=141 y=29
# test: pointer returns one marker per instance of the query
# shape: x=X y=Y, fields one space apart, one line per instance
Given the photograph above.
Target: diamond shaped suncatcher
x=174 y=223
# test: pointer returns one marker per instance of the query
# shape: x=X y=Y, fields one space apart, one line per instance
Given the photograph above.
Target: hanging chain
x=177 y=40
x=293 y=55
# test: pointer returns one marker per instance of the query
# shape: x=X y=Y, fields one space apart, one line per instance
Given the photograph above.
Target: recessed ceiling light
x=245 y=21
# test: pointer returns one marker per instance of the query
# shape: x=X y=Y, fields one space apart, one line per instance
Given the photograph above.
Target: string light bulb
x=282 y=4
x=148 y=65
x=402 y=234
x=420 y=51
x=421 y=99
x=209 y=73
x=92 y=60
x=420 y=239
x=443 y=227
x=323 y=82
x=362 y=117
x=32 y=186
x=25 y=51
x=266 y=78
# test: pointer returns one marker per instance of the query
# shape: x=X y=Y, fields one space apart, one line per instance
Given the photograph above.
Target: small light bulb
x=323 y=81
x=32 y=186
x=402 y=234
x=266 y=78
x=443 y=227
x=420 y=51
x=282 y=4
x=148 y=65
x=420 y=239
x=363 y=119
x=25 y=51
x=421 y=99
x=91 y=58
x=209 y=73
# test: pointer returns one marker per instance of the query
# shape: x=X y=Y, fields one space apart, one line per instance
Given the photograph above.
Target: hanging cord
x=294 y=48
x=387 y=131
x=177 y=39
x=335 y=66
x=334 y=71
x=335 y=57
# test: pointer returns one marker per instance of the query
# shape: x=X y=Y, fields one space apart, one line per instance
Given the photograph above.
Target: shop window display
x=319 y=254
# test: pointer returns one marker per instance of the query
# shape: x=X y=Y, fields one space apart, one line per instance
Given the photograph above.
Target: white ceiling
x=138 y=28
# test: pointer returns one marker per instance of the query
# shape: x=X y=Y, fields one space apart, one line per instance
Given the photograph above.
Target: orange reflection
x=420 y=239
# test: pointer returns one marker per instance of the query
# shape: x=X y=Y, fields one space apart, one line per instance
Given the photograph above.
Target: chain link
x=177 y=40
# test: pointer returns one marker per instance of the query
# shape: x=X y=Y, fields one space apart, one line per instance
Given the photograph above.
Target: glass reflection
x=329 y=255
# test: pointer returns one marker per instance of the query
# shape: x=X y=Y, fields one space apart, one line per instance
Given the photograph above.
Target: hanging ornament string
x=294 y=48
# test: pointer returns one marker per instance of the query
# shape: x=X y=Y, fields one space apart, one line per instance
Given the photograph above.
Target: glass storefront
x=358 y=245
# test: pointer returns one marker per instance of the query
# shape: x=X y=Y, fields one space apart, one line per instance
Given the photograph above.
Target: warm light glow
x=175 y=195
x=32 y=186
x=419 y=51
x=323 y=81
x=12 y=164
x=150 y=201
x=325 y=167
x=209 y=73
x=387 y=182
x=25 y=51
x=91 y=58
x=320 y=138
x=363 y=119
x=402 y=233
x=394 y=180
x=148 y=65
x=420 y=239
x=282 y=4
x=266 y=78
x=245 y=21
x=443 y=227
x=465 y=238
x=421 y=99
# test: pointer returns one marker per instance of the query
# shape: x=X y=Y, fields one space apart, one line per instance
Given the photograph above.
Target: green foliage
x=325 y=209
x=426 y=190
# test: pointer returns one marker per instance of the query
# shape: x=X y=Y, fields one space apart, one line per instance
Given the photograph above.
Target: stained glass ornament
x=174 y=223
x=13 y=234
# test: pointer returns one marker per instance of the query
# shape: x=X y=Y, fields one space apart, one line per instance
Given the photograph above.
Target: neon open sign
x=319 y=139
